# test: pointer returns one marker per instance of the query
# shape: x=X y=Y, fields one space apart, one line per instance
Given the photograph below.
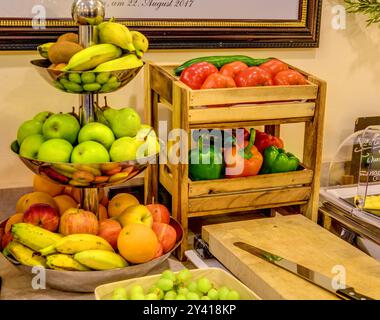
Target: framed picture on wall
x=173 y=24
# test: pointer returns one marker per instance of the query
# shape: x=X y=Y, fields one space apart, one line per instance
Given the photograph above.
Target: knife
x=347 y=293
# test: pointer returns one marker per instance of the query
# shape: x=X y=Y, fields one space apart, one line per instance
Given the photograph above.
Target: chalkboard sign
x=173 y=23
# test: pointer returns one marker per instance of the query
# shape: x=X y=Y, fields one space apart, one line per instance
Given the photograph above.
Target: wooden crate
x=257 y=106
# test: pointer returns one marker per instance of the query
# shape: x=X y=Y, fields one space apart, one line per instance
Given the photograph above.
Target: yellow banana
x=129 y=61
x=117 y=34
x=100 y=259
x=75 y=243
x=64 y=262
x=89 y=58
x=34 y=237
x=24 y=255
x=43 y=49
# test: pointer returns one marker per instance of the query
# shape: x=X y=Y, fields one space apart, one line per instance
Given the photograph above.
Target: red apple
x=159 y=212
x=160 y=251
x=166 y=235
x=109 y=230
x=42 y=215
x=76 y=220
x=7 y=237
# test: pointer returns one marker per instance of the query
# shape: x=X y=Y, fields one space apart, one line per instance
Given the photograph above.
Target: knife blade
x=346 y=293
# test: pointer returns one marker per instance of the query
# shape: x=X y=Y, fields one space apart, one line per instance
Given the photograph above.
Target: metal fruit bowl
x=58 y=79
x=87 y=281
x=99 y=175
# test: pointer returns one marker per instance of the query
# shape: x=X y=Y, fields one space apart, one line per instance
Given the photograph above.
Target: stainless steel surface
x=87 y=110
x=97 y=175
x=88 y=12
x=303 y=272
x=88 y=35
x=90 y=200
x=87 y=281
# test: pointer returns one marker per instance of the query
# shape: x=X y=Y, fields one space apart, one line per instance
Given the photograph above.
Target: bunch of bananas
x=35 y=246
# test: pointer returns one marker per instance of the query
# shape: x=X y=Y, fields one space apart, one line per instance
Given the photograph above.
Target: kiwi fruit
x=71 y=37
x=62 y=51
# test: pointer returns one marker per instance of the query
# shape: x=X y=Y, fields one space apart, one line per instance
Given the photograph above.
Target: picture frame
x=275 y=23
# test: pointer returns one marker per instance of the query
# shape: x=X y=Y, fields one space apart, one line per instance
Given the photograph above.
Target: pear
x=125 y=122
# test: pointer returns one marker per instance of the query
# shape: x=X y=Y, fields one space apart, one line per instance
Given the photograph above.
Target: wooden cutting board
x=295 y=238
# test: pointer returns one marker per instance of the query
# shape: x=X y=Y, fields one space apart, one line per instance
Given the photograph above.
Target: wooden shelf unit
x=270 y=107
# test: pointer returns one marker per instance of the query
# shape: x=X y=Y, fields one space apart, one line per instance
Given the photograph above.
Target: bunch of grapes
x=177 y=287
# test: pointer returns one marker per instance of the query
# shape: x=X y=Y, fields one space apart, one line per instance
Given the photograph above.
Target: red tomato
x=289 y=78
x=217 y=80
x=274 y=66
x=253 y=77
x=196 y=74
x=233 y=68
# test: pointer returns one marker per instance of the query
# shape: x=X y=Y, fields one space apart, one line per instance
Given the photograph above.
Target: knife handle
x=351 y=294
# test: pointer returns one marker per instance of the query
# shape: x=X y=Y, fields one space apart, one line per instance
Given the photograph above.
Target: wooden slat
x=166 y=103
x=252 y=95
x=265 y=181
x=160 y=83
x=249 y=199
x=252 y=112
x=166 y=179
x=240 y=210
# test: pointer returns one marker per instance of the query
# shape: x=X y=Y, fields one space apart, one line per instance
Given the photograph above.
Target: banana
x=64 y=262
x=24 y=255
x=89 y=58
x=140 y=42
x=100 y=259
x=117 y=34
x=34 y=237
x=129 y=61
x=75 y=243
x=43 y=49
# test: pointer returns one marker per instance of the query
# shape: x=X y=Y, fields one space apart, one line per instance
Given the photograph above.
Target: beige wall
x=347 y=59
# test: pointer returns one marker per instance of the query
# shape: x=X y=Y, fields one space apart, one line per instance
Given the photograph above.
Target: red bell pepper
x=264 y=140
x=217 y=80
x=289 y=78
x=274 y=66
x=233 y=68
x=253 y=77
x=243 y=162
x=195 y=75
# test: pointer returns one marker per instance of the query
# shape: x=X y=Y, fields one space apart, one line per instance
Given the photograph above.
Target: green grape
x=113 y=79
x=120 y=294
x=192 y=286
x=223 y=293
x=136 y=289
x=151 y=296
x=103 y=77
x=170 y=295
x=183 y=291
x=88 y=77
x=184 y=276
x=205 y=298
x=165 y=284
x=233 y=295
x=168 y=274
x=192 y=296
x=138 y=296
x=157 y=291
x=75 y=77
x=204 y=285
x=181 y=297
x=213 y=294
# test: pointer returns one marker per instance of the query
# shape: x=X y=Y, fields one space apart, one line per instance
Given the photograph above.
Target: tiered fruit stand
x=271 y=107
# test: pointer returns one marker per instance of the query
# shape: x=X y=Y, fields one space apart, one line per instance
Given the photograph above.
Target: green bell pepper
x=205 y=163
x=277 y=160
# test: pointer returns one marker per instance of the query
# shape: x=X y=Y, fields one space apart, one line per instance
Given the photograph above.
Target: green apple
x=42 y=116
x=148 y=137
x=61 y=126
x=30 y=146
x=125 y=149
x=55 y=150
x=90 y=152
x=96 y=131
x=28 y=128
x=124 y=122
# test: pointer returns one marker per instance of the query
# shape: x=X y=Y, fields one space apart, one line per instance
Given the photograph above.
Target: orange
x=29 y=199
x=120 y=202
x=102 y=213
x=16 y=218
x=44 y=185
x=137 y=243
x=65 y=202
